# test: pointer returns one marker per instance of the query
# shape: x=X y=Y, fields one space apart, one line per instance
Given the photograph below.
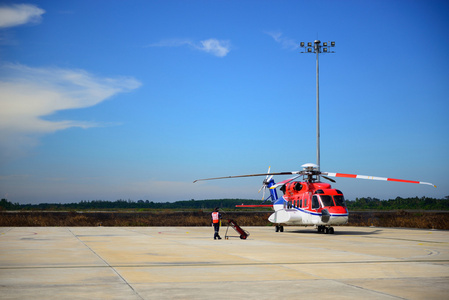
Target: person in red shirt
x=216 y=217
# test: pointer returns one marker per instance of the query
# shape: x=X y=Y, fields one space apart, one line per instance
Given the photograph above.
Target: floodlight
x=309 y=44
x=309 y=49
x=324 y=49
x=325 y=44
x=302 y=44
x=332 y=44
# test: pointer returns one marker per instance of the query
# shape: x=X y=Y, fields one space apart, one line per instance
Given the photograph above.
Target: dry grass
x=408 y=219
x=436 y=220
x=126 y=218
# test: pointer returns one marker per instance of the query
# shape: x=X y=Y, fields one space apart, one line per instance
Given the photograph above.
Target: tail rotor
x=265 y=183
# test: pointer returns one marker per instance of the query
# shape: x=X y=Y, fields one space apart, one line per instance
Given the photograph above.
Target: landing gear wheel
x=326 y=230
x=331 y=230
x=279 y=228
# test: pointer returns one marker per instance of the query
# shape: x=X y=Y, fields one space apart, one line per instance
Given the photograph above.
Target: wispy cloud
x=219 y=48
x=287 y=43
x=215 y=47
x=19 y=14
x=28 y=94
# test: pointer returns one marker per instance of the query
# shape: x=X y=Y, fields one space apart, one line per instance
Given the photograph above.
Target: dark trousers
x=216 y=229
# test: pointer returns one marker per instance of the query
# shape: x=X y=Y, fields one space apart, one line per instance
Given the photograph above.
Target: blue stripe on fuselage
x=282 y=200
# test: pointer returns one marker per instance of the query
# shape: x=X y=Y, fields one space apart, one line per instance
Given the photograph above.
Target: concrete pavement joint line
x=175 y=241
x=431 y=252
x=254 y=263
x=211 y=264
x=407 y=240
x=113 y=269
x=383 y=294
x=372 y=291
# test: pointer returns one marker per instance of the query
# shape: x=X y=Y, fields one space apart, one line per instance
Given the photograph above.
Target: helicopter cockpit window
x=340 y=200
x=327 y=200
x=315 y=203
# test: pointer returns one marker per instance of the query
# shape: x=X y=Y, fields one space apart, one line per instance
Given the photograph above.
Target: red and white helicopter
x=309 y=202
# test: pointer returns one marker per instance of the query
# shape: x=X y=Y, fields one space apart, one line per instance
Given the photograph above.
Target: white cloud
x=215 y=47
x=287 y=43
x=19 y=14
x=29 y=94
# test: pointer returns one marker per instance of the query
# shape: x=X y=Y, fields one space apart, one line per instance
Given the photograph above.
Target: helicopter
x=308 y=202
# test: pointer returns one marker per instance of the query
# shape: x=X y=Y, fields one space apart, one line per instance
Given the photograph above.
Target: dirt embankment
x=410 y=219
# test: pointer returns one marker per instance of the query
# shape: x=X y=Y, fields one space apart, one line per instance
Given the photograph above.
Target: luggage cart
x=243 y=233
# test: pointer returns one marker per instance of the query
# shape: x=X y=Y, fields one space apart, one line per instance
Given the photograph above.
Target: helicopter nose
x=338 y=215
x=337 y=210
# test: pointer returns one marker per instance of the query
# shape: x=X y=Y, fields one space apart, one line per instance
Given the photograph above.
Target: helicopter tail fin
x=273 y=193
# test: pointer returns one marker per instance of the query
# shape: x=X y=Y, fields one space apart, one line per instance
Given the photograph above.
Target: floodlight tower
x=317 y=48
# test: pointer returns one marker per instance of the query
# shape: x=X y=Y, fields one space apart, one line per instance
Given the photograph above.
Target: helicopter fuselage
x=310 y=204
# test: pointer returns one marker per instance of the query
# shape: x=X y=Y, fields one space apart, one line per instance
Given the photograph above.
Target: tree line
x=129 y=204
x=364 y=203
x=423 y=203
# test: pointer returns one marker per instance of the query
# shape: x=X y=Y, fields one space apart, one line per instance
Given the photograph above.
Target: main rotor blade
x=249 y=175
x=330 y=179
x=374 y=178
x=283 y=182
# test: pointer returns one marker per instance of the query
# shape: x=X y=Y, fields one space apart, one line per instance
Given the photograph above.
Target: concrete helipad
x=186 y=263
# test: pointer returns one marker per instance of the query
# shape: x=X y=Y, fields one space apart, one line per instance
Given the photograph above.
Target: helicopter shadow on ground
x=338 y=231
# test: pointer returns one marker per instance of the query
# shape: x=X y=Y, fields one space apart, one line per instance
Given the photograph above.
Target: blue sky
x=136 y=99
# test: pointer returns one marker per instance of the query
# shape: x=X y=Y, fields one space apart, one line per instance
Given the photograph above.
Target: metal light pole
x=317 y=48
